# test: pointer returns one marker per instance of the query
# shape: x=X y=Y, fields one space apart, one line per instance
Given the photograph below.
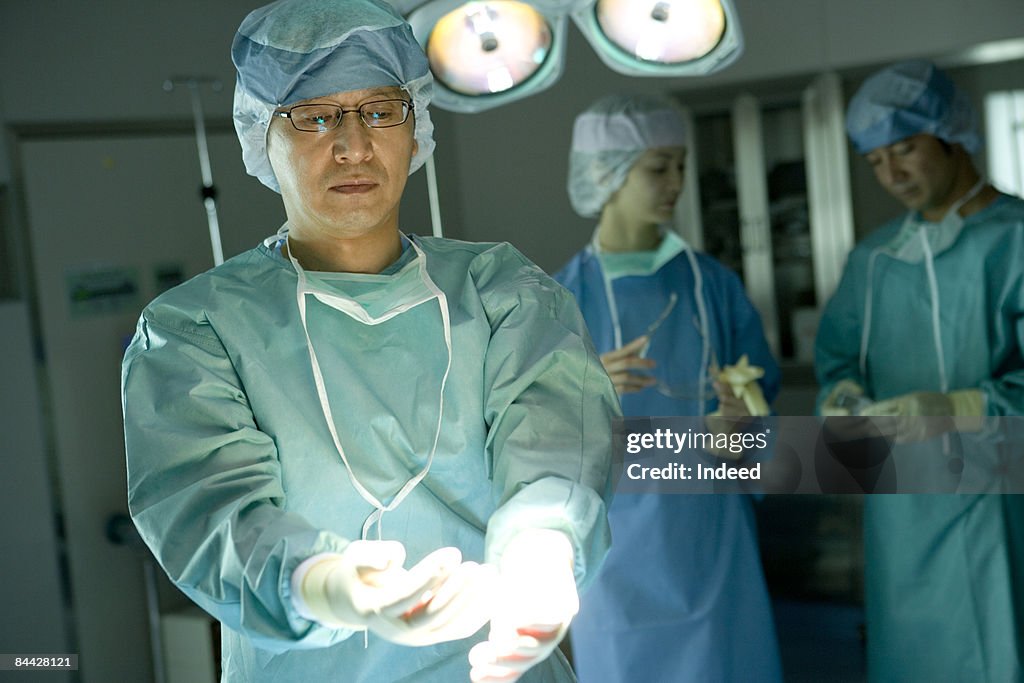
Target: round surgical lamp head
x=486 y=53
x=662 y=37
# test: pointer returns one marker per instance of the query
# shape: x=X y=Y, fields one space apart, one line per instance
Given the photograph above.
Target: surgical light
x=662 y=37
x=487 y=47
x=486 y=53
x=664 y=31
x=481 y=49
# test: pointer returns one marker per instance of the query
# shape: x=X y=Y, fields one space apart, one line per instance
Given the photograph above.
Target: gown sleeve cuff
x=300 y=600
x=560 y=505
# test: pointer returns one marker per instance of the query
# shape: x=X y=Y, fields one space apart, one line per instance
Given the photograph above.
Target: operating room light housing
x=486 y=53
x=662 y=37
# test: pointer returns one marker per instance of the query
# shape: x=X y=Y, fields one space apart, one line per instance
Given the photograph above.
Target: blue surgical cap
x=295 y=50
x=608 y=138
x=907 y=99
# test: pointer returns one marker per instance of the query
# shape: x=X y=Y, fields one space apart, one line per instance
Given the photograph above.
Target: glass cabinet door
x=774 y=204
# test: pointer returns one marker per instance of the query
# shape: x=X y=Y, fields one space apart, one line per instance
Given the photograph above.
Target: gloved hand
x=620 y=364
x=726 y=420
x=915 y=413
x=366 y=587
x=739 y=396
x=739 y=381
x=537 y=600
x=846 y=398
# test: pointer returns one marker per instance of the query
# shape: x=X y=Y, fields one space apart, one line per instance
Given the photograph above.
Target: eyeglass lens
x=324 y=117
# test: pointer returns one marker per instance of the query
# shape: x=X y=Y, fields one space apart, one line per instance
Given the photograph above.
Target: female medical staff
x=682 y=596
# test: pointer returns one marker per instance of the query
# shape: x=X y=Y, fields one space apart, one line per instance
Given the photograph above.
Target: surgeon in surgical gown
x=350 y=445
x=927 y=322
x=682 y=596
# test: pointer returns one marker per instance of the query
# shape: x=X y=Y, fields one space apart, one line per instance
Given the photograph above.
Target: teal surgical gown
x=234 y=480
x=943 y=577
x=682 y=595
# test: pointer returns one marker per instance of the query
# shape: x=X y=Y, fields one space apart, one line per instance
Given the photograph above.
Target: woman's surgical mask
x=626 y=263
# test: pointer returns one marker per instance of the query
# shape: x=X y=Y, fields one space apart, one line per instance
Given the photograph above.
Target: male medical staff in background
x=303 y=419
x=928 y=321
x=682 y=596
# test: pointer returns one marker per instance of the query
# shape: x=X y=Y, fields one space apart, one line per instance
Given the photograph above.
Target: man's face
x=652 y=186
x=919 y=171
x=345 y=182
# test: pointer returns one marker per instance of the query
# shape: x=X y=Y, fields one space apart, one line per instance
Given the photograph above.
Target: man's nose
x=352 y=140
x=889 y=170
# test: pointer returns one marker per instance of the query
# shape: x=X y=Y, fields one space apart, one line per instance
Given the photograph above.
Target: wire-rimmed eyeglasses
x=320 y=118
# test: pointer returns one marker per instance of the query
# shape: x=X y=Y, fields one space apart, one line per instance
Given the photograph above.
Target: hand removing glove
x=536 y=602
x=915 y=414
x=366 y=588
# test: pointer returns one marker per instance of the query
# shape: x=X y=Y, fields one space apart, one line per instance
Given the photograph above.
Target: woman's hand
x=621 y=363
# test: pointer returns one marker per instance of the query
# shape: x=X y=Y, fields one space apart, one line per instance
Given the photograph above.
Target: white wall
x=31 y=594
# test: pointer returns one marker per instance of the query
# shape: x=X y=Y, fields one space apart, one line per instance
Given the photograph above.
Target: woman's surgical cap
x=907 y=99
x=295 y=50
x=609 y=137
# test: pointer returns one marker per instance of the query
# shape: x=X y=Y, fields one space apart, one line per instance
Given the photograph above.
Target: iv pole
x=432 y=194
x=207 y=192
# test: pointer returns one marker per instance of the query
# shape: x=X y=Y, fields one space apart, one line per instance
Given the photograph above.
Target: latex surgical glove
x=366 y=588
x=729 y=404
x=537 y=601
x=846 y=398
x=739 y=396
x=914 y=415
x=727 y=419
x=740 y=381
x=621 y=363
